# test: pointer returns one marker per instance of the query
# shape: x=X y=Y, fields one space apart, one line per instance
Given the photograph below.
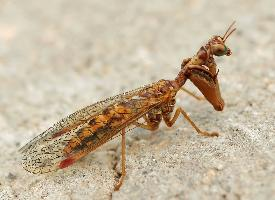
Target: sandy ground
x=58 y=56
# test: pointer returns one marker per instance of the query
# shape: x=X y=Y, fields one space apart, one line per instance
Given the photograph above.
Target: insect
x=83 y=131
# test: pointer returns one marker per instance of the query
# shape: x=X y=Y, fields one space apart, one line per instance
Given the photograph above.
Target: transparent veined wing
x=83 y=131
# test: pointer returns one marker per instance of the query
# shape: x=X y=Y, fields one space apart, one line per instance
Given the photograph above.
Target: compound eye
x=219 y=50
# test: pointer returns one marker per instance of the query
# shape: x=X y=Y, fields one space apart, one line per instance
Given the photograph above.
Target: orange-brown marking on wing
x=120 y=113
x=84 y=133
x=122 y=109
x=95 y=123
x=105 y=125
x=65 y=130
x=75 y=141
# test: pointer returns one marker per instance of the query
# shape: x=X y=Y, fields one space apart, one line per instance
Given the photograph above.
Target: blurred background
x=58 y=56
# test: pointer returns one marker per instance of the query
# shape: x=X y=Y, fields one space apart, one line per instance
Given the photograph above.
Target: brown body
x=83 y=131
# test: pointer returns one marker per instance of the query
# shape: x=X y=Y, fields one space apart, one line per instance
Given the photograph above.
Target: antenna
x=229 y=31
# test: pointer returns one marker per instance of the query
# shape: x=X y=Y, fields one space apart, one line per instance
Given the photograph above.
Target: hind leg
x=123 y=161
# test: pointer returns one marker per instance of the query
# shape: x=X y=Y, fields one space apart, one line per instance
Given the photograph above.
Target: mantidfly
x=83 y=131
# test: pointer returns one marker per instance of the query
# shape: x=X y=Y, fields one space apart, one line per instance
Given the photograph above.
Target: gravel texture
x=58 y=56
